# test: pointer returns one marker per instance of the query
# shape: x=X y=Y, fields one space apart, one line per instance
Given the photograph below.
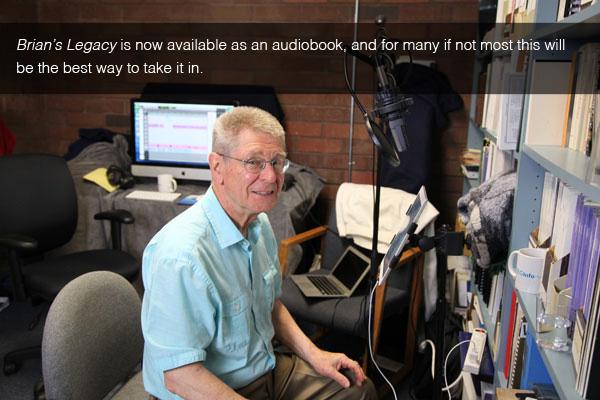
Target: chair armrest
x=408 y=255
x=116 y=218
x=17 y=241
x=122 y=216
x=287 y=243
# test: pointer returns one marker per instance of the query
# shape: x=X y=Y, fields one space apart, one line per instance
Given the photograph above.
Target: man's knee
x=364 y=392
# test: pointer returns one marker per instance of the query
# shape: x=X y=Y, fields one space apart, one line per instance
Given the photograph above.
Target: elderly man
x=212 y=280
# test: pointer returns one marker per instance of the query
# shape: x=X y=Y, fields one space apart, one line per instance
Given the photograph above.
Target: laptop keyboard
x=324 y=284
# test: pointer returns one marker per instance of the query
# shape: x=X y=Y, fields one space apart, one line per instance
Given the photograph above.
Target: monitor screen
x=173 y=136
x=351 y=268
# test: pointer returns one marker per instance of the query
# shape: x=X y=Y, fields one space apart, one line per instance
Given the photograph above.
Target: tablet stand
x=446 y=243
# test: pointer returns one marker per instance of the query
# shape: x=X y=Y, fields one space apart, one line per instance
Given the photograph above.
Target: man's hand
x=329 y=364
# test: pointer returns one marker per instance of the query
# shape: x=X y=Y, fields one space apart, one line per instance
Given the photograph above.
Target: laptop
x=341 y=281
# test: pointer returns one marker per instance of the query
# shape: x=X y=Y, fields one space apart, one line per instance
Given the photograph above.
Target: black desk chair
x=38 y=213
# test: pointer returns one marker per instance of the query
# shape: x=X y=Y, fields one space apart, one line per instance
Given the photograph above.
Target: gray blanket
x=486 y=212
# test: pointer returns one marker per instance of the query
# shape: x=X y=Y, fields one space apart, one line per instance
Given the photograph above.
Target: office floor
x=14 y=334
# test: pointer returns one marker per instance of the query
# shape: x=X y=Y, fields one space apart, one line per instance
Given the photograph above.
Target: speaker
x=117 y=176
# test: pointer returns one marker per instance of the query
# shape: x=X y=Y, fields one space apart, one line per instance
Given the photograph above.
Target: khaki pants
x=294 y=379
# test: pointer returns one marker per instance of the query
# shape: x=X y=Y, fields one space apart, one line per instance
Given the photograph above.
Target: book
x=570 y=99
x=547 y=102
x=534 y=369
x=509 y=341
x=512 y=110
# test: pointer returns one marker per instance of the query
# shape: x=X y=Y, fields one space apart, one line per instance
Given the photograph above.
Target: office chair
x=38 y=213
x=401 y=291
x=93 y=340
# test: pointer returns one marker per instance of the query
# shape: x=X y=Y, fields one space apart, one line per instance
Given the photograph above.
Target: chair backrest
x=92 y=337
x=38 y=198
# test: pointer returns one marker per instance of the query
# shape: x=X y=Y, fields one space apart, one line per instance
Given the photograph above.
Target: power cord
x=429 y=342
x=371 y=347
x=445 y=364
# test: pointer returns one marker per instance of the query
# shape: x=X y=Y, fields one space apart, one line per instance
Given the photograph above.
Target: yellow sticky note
x=98 y=176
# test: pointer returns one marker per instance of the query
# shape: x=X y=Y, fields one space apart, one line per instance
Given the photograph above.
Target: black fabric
x=88 y=137
x=42 y=204
x=263 y=97
x=39 y=199
x=47 y=278
x=347 y=315
x=433 y=97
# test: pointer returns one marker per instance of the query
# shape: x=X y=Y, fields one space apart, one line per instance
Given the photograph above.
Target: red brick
x=332 y=175
x=329 y=191
x=101 y=13
x=144 y=13
x=322 y=114
x=59 y=13
x=465 y=13
x=111 y=105
x=365 y=178
x=341 y=131
x=304 y=99
x=85 y=119
x=320 y=145
x=230 y=13
x=57 y=132
x=334 y=161
x=304 y=128
x=362 y=147
x=276 y=13
x=15 y=12
x=226 y=77
x=66 y=102
x=327 y=13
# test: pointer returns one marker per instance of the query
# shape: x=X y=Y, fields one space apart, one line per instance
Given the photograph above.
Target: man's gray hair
x=228 y=126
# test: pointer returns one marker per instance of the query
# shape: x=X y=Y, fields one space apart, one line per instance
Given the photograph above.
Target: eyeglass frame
x=263 y=164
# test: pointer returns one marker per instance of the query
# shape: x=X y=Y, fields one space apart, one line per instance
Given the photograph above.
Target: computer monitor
x=173 y=136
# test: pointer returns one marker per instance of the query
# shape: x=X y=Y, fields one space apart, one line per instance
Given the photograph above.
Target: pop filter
x=384 y=146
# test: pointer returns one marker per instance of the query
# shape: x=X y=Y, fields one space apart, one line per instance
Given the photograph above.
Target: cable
x=371 y=347
x=445 y=364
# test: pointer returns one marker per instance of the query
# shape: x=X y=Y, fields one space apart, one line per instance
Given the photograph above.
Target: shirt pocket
x=236 y=334
x=269 y=277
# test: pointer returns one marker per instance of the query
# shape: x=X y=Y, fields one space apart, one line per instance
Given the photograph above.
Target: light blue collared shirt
x=209 y=295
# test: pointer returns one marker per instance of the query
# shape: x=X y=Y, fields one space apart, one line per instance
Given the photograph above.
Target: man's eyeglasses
x=255 y=165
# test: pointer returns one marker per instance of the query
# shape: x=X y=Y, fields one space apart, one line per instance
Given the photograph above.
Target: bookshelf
x=533 y=161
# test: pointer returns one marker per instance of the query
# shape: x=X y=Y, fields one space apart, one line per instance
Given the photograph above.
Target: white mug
x=530 y=267
x=166 y=183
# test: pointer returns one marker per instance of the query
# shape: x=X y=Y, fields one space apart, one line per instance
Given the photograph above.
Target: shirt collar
x=225 y=230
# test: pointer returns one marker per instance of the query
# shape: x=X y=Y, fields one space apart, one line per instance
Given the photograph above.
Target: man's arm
x=193 y=381
x=325 y=363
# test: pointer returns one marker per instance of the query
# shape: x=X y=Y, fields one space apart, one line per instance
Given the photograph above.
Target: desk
x=150 y=216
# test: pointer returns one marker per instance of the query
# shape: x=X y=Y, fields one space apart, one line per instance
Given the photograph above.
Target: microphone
x=391 y=106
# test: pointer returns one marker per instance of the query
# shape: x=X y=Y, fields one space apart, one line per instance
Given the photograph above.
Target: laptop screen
x=350 y=269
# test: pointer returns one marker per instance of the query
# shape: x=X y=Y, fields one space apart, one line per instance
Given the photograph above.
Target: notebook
x=341 y=281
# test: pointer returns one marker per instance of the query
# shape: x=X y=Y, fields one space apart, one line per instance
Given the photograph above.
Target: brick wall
x=317 y=124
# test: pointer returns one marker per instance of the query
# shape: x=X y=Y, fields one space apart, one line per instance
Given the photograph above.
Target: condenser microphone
x=391 y=106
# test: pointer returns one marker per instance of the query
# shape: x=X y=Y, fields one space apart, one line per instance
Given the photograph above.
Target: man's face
x=243 y=194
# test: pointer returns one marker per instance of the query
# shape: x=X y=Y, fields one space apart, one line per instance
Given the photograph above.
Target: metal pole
x=350 y=162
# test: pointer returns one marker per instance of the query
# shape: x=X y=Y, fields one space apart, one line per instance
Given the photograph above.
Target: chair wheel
x=11 y=366
x=38 y=390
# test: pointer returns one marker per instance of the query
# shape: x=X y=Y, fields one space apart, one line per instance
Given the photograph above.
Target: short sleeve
x=179 y=314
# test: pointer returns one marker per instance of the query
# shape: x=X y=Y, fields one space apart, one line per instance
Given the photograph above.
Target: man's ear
x=215 y=162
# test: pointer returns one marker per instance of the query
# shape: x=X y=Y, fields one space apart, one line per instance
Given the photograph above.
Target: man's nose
x=268 y=173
